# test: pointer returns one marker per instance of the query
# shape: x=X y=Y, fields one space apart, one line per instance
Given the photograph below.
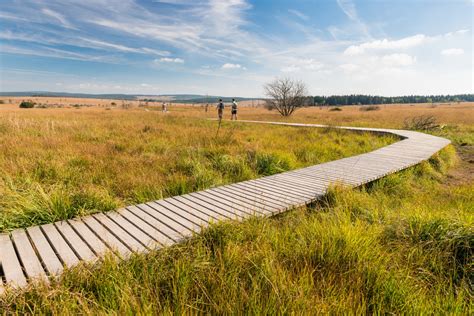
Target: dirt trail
x=464 y=172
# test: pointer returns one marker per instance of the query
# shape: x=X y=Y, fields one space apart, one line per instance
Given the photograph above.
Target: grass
x=61 y=163
x=401 y=245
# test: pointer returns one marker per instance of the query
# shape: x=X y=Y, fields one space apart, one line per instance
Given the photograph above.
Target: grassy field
x=403 y=244
x=60 y=163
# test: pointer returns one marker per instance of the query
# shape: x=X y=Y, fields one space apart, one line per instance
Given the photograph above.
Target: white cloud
x=232 y=66
x=396 y=60
x=290 y=69
x=387 y=44
x=170 y=60
x=349 y=9
x=59 y=17
x=299 y=14
x=452 y=52
x=303 y=64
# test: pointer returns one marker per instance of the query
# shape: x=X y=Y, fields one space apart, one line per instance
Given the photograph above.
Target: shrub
x=2 y=102
x=367 y=108
x=27 y=105
x=422 y=122
x=336 y=109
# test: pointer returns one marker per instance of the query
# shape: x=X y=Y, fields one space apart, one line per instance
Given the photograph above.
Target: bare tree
x=285 y=95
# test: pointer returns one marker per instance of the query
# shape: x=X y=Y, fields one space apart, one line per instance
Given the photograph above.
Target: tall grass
x=60 y=163
x=401 y=245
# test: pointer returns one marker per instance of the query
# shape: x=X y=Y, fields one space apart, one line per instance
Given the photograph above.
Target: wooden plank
x=269 y=192
x=282 y=191
x=46 y=252
x=202 y=196
x=164 y=212
x=186 y=212
x=67 y=255
x=29 y=260
x=107 y=237
x=288 y=185
x=235 y=192
x=137 y=233
x=276 y=186
x=79 y=246
x=127 y=239
x=156 y=224
x=10 y=264
x=215 y=198
x=183 y=203
x=249 y=204
x=249 y=200
x=158 y=236
x=182 y=229
x=233 y=214
x=97 y=245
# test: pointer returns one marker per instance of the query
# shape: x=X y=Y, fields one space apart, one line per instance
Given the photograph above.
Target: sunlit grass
x=401 y=245
x=61 y=163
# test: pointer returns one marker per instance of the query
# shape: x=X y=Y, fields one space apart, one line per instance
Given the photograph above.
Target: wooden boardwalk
x=42 y=252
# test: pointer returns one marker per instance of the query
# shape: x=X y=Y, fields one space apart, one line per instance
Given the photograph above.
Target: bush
x=367 y=108
x=336 y=109
x=27 y=105
x=422 y=122
x=2 y=102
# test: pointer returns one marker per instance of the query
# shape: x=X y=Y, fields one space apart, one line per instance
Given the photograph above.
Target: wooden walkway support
x=42 y=252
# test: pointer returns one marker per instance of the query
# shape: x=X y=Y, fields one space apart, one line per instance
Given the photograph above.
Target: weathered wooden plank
x=31 y=264
x=127 y=239
x=218 y=197
x=183 y=203
x=10 y=264
x=106 y=236
x=189 y=199
x=186 y=212
x=260 y=186
x=236 y=192
x=158 y=236
x=98 y=246
x=282 y=188
x=137 y=233
x=164 y=212
x=156 y=224
x=219 y=204
x=66 y=254
x=180 y=228
x=250 y=200
x=79 y=246
x=46 y=252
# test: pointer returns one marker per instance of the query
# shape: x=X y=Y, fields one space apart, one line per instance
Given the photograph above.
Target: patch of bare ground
x=463 y=173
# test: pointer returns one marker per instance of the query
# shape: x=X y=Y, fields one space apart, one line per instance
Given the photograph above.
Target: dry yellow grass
x=62 y=162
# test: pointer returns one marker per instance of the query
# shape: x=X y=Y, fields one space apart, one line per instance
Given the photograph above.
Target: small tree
x=285 y=95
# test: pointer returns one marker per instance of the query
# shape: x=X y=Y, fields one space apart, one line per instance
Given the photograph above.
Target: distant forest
x=358 y=99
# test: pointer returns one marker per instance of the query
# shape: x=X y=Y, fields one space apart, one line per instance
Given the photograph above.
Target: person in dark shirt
x=234 y=110
x=220 y=109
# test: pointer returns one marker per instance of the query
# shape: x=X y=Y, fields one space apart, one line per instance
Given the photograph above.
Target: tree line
x=358 y=99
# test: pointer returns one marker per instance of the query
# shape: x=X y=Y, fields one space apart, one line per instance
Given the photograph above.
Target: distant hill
x=181 y=98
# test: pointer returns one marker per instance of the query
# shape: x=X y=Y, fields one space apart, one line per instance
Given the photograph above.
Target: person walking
x=220 y=109
x=234 y=110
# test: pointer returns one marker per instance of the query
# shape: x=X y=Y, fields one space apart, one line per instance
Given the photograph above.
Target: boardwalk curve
x=42 y=252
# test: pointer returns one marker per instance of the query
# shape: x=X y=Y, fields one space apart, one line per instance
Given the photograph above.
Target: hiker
x=163 y=107
x=220 y=109
x=234 y=110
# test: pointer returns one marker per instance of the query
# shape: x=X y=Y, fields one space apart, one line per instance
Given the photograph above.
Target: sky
x=234 y=47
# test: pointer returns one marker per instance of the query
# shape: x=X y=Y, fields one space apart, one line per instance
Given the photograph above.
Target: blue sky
x=218 y=47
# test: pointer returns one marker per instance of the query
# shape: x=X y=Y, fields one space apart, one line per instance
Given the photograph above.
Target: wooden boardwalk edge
x=42 y=252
